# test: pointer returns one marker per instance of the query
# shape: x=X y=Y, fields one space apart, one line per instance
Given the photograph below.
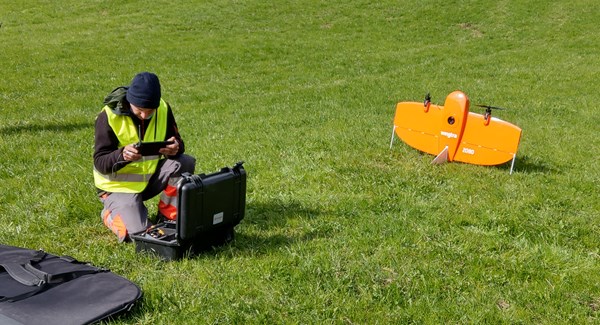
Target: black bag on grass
x=40 y=288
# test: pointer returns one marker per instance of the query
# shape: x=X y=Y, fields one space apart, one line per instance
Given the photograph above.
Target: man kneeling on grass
x=124 y=178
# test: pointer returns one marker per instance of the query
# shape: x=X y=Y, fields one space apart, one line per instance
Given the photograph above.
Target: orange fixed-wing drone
x=454 y=134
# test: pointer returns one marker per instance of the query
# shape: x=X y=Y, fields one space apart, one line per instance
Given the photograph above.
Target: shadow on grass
x=268 y=227
x=39 y=127
x=272 y=219
x=276 y=213
x=528 y=165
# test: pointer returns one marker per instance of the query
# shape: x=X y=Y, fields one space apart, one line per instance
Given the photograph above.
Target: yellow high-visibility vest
x=134 y=177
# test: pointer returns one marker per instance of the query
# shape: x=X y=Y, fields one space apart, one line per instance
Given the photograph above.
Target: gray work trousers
x=126 y=213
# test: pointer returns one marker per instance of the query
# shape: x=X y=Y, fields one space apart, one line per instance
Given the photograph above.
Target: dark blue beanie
x=144 y=91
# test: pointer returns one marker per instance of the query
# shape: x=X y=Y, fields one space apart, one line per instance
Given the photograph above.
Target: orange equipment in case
x=454 y=134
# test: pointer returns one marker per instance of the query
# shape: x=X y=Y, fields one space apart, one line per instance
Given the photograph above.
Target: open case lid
x=208 y=202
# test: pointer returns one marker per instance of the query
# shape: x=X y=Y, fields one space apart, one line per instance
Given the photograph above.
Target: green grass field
x=339 y=229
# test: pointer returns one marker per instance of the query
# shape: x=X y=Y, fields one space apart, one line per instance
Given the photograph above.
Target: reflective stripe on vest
x=134 y=177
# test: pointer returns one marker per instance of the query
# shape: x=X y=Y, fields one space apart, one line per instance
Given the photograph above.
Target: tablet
x=151 y=148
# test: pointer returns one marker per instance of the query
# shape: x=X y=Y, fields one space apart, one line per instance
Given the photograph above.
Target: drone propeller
x=427 y=102
x=490 y=107
x=488 y=112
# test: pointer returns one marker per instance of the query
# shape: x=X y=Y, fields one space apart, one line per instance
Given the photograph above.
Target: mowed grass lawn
x=339 y=228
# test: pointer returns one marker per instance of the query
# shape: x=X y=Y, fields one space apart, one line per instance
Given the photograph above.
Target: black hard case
x=209 y=207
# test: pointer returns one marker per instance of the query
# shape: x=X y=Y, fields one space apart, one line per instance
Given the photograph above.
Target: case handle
x=27 y=275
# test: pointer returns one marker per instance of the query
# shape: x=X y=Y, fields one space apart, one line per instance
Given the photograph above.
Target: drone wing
x=492 y=144
x=418 y=127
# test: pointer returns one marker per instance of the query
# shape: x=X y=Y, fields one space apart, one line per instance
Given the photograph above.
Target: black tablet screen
x=151 y=148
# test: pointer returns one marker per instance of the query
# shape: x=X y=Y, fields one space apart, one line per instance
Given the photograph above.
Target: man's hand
x=172 y=149
x=130 y=153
